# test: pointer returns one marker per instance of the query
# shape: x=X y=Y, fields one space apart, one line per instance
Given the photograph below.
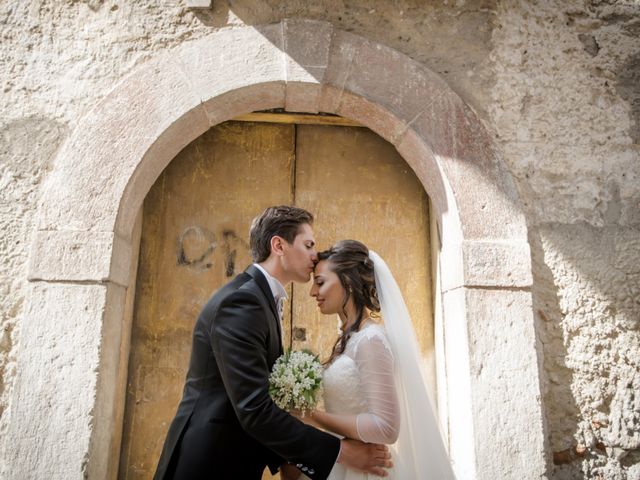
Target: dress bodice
x=342 y=389
x=343 y=379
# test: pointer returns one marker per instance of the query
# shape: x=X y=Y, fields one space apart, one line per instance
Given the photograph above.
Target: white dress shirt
x=277 y=290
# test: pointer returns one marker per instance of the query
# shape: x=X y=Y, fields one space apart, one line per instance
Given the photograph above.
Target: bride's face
x=327 y=289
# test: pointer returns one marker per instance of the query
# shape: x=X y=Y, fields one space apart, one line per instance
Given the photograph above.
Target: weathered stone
x=52 y=414
x=504 y=371
x=114 y=136
x=366 y=112
x=465 y=154
x=27 y=148
x=79 y=256
x=106 y=424
x=306 y=47
x=591 y=354
x=496 y=264
x=382 y=76
x=420 y=157
x=228 y=61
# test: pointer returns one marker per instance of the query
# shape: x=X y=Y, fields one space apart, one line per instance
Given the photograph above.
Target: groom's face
x=300 y=256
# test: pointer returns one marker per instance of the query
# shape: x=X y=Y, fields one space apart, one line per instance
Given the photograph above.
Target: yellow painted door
x=361 y=189
x=195 y=238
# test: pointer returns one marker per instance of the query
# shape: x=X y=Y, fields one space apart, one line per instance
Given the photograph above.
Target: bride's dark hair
x=349 y=259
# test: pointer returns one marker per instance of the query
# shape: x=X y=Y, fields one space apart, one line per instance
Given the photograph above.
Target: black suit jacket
x=227 y=426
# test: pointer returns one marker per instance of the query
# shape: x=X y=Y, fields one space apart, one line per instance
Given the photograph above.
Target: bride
x=373 y=388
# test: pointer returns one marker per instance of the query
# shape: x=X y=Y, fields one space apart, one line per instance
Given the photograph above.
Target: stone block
x=306 y=45
x=485 y=264
x=505 y=385
x=54 y=393
x=421 y=159
x=376 y=118
x=231 y=60
x=113 y=137
x=496 y=264
x=233 y=103
x=493 y=381
x=382 y=76
x=80 y=256
x=465 y=152
x=303 y=97
x=110 y=397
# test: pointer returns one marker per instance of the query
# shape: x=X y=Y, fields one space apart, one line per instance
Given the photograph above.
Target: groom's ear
x=277 y=245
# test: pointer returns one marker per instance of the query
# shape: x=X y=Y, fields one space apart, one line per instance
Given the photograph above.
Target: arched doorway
x=79 y=300
x=194 y=239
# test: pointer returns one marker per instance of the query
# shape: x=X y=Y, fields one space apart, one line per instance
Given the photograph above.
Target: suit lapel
x=262 y=282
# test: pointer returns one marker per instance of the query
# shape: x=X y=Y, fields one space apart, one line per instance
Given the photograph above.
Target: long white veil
x=419 y=452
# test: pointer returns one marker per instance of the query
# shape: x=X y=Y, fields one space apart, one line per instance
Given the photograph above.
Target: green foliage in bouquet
x=296 y=381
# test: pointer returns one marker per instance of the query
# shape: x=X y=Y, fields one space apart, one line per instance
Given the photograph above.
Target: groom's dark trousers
x=227 y=426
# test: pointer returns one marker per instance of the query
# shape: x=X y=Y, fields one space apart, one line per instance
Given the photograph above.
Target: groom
x=227 y=426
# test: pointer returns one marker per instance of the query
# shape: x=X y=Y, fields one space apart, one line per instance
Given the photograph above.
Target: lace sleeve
x=381 y=423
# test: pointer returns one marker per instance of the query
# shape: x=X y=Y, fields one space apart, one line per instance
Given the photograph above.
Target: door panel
x=195 y=238
x=360 y=188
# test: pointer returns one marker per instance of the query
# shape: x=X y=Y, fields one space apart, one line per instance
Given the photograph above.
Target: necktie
x=280 y=305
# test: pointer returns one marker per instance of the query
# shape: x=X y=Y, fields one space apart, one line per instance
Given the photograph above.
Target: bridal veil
x=419 y=451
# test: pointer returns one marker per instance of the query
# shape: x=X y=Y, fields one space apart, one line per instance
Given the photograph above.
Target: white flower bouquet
x=296 y=381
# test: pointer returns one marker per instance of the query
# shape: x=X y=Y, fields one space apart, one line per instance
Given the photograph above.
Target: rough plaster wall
x=566 y=115
x=556 y=81
x=26 y=148
x=592 y=396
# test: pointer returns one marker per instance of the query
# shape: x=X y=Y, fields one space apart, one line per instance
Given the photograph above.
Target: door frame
x=83 y=254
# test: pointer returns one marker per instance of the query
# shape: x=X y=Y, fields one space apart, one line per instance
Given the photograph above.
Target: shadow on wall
x=586 y=290
x=559 y=406
x=424 y=31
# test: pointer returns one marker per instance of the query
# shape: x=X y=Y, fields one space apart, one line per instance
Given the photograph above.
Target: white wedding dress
x=360 y=382
x=378 y=378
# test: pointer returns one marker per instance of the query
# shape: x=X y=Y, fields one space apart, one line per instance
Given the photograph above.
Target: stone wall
x=556 y=82
x=565 y=111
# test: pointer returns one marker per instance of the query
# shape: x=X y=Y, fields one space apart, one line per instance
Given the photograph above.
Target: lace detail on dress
x=368 y=332
x=361 y=382
x=342 y=389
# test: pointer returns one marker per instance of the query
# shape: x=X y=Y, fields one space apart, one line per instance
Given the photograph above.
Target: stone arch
x=82 y=251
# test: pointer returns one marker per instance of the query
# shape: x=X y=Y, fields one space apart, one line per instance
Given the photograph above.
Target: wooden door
x=195 y=238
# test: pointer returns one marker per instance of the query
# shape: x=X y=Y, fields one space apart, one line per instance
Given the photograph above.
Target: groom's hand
x=365 y=457
x=289 y=472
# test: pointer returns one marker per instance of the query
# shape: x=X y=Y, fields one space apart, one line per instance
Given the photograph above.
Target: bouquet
x=296 y=381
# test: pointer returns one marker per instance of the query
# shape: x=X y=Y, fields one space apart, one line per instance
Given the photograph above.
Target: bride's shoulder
x=373 y=328
x=372 y=331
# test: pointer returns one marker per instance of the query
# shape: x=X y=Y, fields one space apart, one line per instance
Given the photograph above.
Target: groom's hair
x=282 y=221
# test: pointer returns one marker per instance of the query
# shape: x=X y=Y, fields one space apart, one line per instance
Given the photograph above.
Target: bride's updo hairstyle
x=349 y=260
